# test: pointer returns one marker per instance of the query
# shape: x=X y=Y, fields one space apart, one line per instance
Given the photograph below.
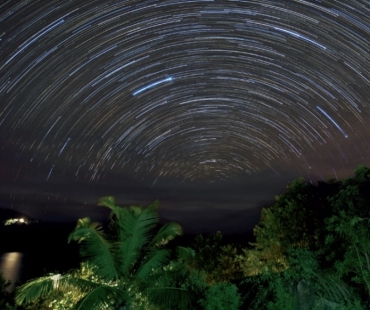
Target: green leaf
x=137 y=230
x=44 y=286
x=185 y=253
x=96 y=249
x=156 y=259
x=35 y=289
x=107 y=201
x=101 y=298
x=169 y=297
x=167 y=233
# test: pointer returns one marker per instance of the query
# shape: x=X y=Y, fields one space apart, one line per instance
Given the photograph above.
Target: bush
x=221 y=296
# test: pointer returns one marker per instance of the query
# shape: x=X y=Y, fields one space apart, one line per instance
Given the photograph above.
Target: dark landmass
x=8 y=213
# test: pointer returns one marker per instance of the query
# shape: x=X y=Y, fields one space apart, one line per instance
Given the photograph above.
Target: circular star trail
x=194 y=90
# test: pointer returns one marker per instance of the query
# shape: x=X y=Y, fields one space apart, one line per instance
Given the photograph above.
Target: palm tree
x=128 y=261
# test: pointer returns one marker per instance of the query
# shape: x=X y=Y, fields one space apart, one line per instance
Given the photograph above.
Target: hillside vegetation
x=311 y=251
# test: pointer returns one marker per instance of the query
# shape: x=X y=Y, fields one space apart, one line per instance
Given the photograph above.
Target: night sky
x=209 y=106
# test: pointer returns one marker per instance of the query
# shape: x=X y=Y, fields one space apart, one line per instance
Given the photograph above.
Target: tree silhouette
x=128 y=262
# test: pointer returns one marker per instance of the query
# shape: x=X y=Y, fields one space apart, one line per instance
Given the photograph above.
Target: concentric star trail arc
x=191 y=90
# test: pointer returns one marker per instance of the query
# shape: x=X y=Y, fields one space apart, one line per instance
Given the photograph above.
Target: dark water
x=32 y=251
x=18 y=267
x=11 y=265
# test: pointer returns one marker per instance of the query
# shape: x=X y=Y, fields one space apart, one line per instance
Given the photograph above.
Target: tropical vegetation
x=311 y=250
x=124 y=267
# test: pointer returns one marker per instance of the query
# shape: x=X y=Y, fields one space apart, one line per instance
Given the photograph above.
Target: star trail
x=197 y=91
x=151 y=85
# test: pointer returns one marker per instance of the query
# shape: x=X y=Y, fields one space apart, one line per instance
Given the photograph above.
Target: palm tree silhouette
x=128 y=261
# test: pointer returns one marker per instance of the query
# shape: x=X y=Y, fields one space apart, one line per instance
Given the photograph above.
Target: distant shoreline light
x=15 y=221
x=152 y=85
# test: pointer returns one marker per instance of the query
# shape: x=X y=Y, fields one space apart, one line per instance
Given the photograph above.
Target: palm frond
x=154 y=204
x=34 y=289
x=81 y=223
x=75 y=283
x=137 y=231
x=334 y=290
x=185 y=253
x=155 y=260
x=125 y=220
x=107 y=201
x=102 y=297
x=97 y=249
x=166 y=233
x=330 y=305
x=44 y=286
x=169 y=297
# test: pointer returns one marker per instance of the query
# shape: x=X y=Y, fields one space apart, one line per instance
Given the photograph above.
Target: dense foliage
x=312 y=247
x=6 y=298
x=311 y=251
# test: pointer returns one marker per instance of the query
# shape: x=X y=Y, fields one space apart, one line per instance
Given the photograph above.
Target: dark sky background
x=210 y=106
